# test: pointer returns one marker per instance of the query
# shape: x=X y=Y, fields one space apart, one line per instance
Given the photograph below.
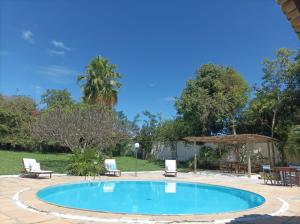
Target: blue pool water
x=151 y=197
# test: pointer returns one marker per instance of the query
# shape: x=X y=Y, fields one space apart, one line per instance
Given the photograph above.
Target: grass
x=11 y=162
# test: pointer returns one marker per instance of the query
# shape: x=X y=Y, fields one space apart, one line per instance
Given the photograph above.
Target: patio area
x=19 y=203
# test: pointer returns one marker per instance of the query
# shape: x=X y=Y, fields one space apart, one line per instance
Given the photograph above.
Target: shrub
x=292 y=147
x=86 y=163
x=207 y=158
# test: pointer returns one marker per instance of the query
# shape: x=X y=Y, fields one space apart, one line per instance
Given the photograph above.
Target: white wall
x=185 y=151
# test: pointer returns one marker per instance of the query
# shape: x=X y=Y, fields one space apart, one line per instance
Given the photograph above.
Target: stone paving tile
x=10 y=213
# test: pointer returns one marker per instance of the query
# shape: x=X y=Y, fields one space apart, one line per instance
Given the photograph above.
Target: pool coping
x=272 y=206
x=145 y=180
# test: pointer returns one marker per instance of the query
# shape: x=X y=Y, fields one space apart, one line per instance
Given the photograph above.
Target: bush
x=207 y=158
x=86 y=163
x=292 y=147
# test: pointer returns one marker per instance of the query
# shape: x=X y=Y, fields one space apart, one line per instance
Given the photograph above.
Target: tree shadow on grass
x=265 y=219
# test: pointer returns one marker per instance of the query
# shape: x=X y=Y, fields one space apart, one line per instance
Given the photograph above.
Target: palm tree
x=99 y=83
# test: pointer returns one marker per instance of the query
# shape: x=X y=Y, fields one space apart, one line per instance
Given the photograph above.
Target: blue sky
x=157 y=45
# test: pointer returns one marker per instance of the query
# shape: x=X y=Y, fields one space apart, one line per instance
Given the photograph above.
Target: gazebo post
x=269 y=154
x=195 y=158
x=273 y=154
x=248 y=159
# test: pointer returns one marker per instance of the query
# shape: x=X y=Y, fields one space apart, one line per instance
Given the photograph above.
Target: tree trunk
x=234 y=127
x=273 y=123
x=273 y=154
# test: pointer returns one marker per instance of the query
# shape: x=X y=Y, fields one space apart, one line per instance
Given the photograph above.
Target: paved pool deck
x=19 y=204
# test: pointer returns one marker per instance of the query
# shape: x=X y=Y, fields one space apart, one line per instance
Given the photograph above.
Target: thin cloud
x=38 y=89
x=58 y=74
x=28 y=36
x=55 y=52
x=60 y=45
x=168 y=99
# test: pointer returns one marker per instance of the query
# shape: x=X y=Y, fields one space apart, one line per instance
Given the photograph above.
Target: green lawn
x=11 y=162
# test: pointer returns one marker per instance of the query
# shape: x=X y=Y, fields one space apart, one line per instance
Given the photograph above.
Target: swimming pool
x=151 y=197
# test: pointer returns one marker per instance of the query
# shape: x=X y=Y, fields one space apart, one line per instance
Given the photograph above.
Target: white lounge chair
x=32 y=167
x=111 y=167
x=170 y=168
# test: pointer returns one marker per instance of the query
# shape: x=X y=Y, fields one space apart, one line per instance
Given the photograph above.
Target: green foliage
x=16 y=114
x=292 y=147
x=147 y=135
x=274 y=109
x=207 y=158
x=170 y=132
x=86 y=163
x=57 y=98
x=80 y=126
x=100 y=82
x=212 y=102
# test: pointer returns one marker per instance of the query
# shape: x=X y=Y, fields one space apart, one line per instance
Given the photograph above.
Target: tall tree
x=212 y=102
x=275 y=100
x=147 y=135
x=57 y=98
x=16 y=114
x=100 y=82
x=292 y=146
x=170 y=132
x=80 y=126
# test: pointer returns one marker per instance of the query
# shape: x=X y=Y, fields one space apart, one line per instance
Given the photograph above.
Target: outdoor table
x=286 y=174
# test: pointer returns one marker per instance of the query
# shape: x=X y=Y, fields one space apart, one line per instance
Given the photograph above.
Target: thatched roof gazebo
x=291 y=9
x=232 y=140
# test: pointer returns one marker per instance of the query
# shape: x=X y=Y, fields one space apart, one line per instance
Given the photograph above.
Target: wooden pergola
x=233 y=140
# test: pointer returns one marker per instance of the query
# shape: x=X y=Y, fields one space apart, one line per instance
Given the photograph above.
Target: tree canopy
x=212 y=102
x=100 y=82
x=16 y=114
x=57 y=98
x=80 y=126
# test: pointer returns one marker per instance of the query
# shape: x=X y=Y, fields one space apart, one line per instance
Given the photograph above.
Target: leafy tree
x=292 y=147
x=80 y=126
x=170 y=132
x=100 y=82
x=213 y=101
x=16 y=114
x=57 y=98
x=273 y=109
x=147 y=135
x=125 y=147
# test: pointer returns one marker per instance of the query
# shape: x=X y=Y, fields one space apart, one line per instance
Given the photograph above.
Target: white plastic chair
x=170 y=168
x=32 y=167
x=111 y=167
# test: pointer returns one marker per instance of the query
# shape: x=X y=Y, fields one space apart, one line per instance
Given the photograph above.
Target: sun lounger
x=111 y=167
x=32 y=167
x=170 y=168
